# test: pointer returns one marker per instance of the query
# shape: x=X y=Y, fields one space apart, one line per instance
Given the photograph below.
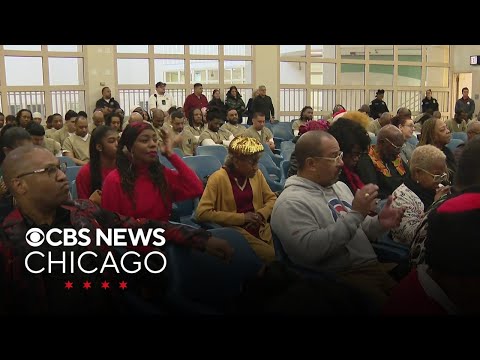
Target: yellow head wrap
x=245 y=146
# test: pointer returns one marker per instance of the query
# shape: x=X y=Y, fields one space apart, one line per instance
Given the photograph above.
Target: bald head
x=135 y=117
x=158 y=118
x=15 y=163
x=390 y=141
x=473 y=129
x=98 y=118
x=390 y=132
x=310 y=144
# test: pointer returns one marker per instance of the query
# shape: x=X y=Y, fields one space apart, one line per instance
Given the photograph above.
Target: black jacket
x=263 y=104
x=429 y=105
x=377 y=108
x=112 y=104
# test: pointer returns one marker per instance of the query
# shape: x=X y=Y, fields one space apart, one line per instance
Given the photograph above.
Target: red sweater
x=84 y=183
x=193 y=102
x=183 y=184
x=409 y=298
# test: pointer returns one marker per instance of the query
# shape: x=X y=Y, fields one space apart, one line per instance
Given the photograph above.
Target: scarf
x=353 y=179
x=380 y=165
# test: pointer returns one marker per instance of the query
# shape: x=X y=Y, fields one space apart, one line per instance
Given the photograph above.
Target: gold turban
x=245 y=146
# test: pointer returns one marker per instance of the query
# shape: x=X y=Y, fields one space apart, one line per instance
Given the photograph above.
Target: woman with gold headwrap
x=238 y=196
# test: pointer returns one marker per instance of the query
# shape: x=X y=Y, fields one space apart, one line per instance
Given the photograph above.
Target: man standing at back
x=160 y=100
x=263 y=103
x=196 y=100
x=465 y=103
x=107 y=103
x=323 y=227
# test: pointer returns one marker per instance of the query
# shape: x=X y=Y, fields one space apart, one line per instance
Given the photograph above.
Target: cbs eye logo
x=35 y=237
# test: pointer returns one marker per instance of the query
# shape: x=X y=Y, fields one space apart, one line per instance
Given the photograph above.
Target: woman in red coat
x=141 y=186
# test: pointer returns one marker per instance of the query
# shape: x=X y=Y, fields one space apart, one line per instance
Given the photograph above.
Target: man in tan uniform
x=37 y=132
x=259 y=131
x=232 y=124
x=77 y=146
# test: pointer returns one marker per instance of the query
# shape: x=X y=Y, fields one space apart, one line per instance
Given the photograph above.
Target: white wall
x=460 y=60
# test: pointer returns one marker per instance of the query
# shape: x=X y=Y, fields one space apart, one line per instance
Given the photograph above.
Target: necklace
x=242 y=187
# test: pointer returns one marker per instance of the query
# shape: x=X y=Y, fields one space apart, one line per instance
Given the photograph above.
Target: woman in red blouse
x=103 y=152
x=141 y=186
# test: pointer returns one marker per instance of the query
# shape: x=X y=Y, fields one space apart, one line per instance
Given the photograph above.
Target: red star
x=68 y=285
x=105 y=285
x=87 y=285
x=123 y=285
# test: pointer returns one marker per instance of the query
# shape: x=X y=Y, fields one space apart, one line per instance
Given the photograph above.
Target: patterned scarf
x=380 y=165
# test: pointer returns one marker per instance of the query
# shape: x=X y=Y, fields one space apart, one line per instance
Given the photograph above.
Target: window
x=437 y=77
x=238 y=72
x=352 y=52
x=410 y=53
x=64 y=100
x=322 y=74
x=23 y=71
x=323 y=51
x=169 y=49
x=65 y=48
x=204 y=71
x=170 y=71
x=23 y=47
x=65 y=71
x=133 y=71
x=204 y=49
x=380 y=53
x=380 y=74
x=292 y=50
x=132 y=49
x=352 y=74
x=438 y=53
x=241 y=50
x=292 y=72
x=409 y=75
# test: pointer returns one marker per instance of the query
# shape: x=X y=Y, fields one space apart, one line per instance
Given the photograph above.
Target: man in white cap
x=160 y=100
x=37 y=117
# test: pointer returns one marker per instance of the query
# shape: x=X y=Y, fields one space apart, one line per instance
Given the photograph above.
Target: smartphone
x=164 y=102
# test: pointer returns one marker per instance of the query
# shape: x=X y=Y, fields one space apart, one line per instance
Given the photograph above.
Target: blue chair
x=373 y=139
x=219 y=151
x=72 y=172
x=287 y=154
x=278 y=142
x=200 y=283
x=286 y=145
x=413 y=140
x=73 y=190
x=454 y=143
x=203 y=165
x=271 y=167
x=284 y=166
x=67 y=160
x=276 y=158
x=274 y=185
x=178 y=151
x=283 y=130
x=165 y=162
x=460 y=135
x=184 y=211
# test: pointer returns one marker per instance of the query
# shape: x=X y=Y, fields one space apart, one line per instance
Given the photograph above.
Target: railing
x=65 y=100
x=31 y=100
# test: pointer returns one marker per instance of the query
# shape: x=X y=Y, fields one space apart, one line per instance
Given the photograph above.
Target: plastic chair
x=200 y=283
x=276 y=158
x=460 y=135
x=219 y=151
x=67 y=160
x=271 y=167
x=287 y=154
x=73 y=190
x=203 y=165
x=178 y=151
x=283 y=130
x=284 y=166
x=454 y=143
x=165 y=162
x=274 y=185
x=286 y=145
x=72 y=173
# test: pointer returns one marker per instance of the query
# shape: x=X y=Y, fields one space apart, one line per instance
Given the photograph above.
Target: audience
x=214 y=134
x=458 y=123
x=378 y=106
x=306 y=115
x=406 y=126
x=68 y=128
x=196 y=100
x=141 y=186
x=77 y=145
x=98 y=119
x=354 y=141
x=383 y=166
x=57 y=124
x=103 y=153
x=37 y=133
x=429 y=104
x=263 y=104
x=217 y=103
x=375 y=126
x=232 y=123
x=473 y=129
x=234 y=101
x=428 y=169
x=238 y=196
x=435 y=132
x=37 y=117
x=115 y=121
x=323 y=227
x=259 y=131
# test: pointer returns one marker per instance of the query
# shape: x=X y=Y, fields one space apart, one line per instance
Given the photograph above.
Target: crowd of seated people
x=326 y=220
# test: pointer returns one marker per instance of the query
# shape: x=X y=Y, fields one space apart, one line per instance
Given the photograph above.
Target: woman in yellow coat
x=238 y=196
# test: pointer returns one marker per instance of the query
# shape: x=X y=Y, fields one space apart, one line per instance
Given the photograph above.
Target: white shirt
x=162 y=102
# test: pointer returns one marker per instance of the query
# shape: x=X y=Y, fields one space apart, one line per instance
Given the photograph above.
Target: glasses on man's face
x=395 y=146
x=51 y=170
x=334 y=159
x=436 y=178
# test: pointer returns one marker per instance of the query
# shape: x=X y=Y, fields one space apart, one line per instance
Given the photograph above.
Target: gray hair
x=424 y=156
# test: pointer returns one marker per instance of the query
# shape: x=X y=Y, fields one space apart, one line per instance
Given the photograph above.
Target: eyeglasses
x=436 y=178
x=410 y=126
x=51 y=170
x=335 y=159
x=391 y=143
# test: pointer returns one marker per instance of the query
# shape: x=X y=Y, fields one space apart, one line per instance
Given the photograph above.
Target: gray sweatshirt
x=318 y=228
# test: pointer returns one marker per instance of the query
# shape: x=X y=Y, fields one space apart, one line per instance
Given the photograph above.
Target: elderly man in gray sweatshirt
x=324 y=227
